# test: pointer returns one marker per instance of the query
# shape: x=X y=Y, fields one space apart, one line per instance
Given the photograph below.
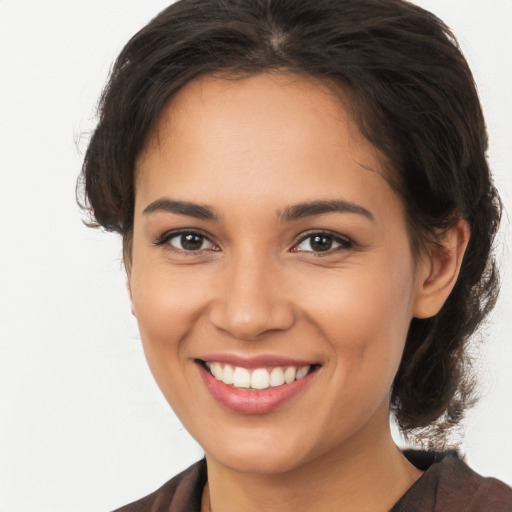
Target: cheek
x=368 y=298
x=166 y=308
x=365 y=314
x=163 y=300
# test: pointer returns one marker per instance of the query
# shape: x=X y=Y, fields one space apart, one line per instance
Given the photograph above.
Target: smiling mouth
x=257 y=379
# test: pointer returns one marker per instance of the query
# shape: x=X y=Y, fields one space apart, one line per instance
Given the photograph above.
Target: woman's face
x=269 y=250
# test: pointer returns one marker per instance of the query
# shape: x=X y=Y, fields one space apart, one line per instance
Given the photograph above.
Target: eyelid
x=165 y=237
x=345 y=242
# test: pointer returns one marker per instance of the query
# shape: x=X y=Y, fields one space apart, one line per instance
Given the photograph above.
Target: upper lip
x=255 y=361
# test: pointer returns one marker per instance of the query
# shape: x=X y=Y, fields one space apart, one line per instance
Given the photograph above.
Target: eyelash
x=165 y=238
x=343 y=242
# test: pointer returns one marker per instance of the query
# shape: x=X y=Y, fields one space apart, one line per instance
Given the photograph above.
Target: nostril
x=249 y=321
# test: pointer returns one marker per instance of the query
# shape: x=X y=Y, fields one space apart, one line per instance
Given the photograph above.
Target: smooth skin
x=252 y=280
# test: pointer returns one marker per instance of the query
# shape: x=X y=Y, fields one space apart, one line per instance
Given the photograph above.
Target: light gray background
x=82 y=425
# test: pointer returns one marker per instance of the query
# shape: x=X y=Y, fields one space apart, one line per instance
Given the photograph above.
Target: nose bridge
x=251 y=299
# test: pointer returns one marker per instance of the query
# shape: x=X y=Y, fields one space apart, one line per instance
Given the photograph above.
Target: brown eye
x=322 y=242
x=189 y=242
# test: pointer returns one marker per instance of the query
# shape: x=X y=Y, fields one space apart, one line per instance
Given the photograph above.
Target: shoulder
x=449 y=485
x=180 y=494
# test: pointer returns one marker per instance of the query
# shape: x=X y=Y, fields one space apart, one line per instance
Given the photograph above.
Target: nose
x=251 y=300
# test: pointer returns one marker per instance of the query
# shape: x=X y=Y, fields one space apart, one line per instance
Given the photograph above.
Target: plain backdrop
x=83 y=427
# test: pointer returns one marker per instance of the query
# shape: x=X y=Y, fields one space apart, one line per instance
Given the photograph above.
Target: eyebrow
x=312 y=208
x=294 y=212
x=199 y=211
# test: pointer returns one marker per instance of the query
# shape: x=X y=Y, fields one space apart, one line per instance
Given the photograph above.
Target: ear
x=438 y=271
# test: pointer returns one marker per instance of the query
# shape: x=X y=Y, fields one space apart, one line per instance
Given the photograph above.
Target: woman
x=307 y=216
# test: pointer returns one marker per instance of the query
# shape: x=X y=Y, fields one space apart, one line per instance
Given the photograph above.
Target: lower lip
x=246 y=401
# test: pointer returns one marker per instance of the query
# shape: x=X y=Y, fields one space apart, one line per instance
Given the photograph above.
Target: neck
x=357 y=475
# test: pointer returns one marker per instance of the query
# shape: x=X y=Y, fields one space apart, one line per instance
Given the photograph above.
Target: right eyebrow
x=199 y=211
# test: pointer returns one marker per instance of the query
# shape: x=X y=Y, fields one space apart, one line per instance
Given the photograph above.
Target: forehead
x=278 y=102
x=289 y=132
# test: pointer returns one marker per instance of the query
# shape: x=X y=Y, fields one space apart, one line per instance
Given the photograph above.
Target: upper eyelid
x=168 y=235
x=345 y=244
x=303 y=236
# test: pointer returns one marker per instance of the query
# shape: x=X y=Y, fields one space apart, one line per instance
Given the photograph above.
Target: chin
x=263 y=453
x=257 y=462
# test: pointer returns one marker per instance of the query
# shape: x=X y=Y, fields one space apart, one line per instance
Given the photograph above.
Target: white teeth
x=227 y=375
x=260 y=379
x=276 y=377
x=241 y=378
x=302 y=372
x=216 y=369
x=289 y=374
x=257 y=379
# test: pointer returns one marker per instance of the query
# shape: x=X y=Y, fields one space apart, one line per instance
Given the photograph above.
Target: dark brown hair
x=413 y=96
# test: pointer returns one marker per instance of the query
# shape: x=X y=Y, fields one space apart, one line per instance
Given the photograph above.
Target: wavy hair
x=413 y=96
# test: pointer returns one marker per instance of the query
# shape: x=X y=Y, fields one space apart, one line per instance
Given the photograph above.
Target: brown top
x=447 y=485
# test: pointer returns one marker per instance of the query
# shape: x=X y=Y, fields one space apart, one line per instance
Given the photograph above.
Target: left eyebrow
x=312 y=208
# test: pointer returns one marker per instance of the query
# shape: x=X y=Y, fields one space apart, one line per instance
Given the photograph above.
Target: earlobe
x=439 y=269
